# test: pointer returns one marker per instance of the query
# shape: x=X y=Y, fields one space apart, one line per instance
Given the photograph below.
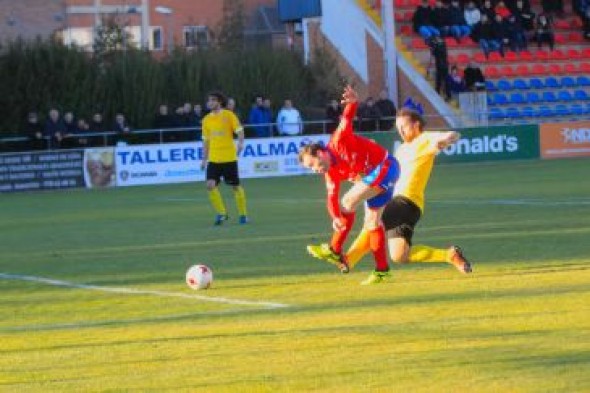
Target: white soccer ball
x=199 y=277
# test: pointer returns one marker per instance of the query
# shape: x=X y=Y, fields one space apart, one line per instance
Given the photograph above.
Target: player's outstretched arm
x=445 y=139
x=350 y=100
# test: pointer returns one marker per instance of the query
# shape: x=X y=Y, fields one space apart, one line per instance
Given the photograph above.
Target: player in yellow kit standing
x=401 y=214
x=220 y=156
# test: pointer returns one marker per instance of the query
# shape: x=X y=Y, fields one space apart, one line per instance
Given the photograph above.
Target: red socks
x=377 y=244
x=339 y=237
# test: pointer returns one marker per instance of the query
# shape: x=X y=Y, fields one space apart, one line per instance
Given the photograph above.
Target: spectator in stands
x=553 y=7
x=82 y=127
x=456 y=82
x=512 y=4
x=388 y=111
x=488 y=35
x=473 y=77
x=487 y=9
x=586 y=24
x=198 y=114
x=368 y=115
x=422 y=21
x=544 y=31
x=260 y=118
x=289 y=120
x=502 y=10
x=333 y=112
x=441 y=18
x=515 y=35
x=439 y=53
x=70 y=130
x=97 y=123
x=122 y=128
x=55 y=128
x=472 y=14
x=163 y=119
x=580 y=7
x=459 y=26
x=34 y=131
x=525 y=16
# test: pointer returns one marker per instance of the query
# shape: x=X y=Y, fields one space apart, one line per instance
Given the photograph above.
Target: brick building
x=156 y=24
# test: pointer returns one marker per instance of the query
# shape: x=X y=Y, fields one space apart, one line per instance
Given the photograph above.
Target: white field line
x=131 y=291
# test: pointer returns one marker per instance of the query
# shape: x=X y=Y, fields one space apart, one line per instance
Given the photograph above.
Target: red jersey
x=351 y=155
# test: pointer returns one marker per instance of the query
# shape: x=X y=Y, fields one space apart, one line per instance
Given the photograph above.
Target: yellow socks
x=217 y=201
x=240 y=196
x=358 y=249
x=421 y=253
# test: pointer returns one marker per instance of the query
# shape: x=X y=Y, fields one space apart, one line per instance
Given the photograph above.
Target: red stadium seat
x=538 y=69
x=406 y=30
x=560 y=38
x=586 y=53
x=557 y=54
x=418 y=43
x=463 y=58
x=575 y=37
x=573 y=54
x=570 y=68
x=492 y=72
x=525 y=55
x=510 y=56
x=585 y=68
x=562 y=24
x=400 y=3
x=541 y=55
x=507 y=71
x=577 y=23
x=495 y=57
x=480 y=57
x=522 y=70
x=451 y=42
x=555 y=69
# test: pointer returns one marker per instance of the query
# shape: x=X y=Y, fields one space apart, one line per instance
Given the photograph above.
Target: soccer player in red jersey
x=373 y=172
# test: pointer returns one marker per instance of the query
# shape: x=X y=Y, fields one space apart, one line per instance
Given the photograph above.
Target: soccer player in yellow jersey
x=416 y=158
x=220 y=156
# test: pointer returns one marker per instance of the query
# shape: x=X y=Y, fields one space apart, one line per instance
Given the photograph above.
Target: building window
x=196 y=36
x=79 y=36
x=156 y=38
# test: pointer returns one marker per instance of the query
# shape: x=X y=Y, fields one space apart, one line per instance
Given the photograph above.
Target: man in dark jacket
x=474 y=79
x=388 y=111
x=422 y=21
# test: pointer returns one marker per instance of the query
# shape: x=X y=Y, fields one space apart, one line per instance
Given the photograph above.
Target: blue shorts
x=383 y=176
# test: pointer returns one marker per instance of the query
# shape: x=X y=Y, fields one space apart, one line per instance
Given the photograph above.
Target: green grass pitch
x=520 y=323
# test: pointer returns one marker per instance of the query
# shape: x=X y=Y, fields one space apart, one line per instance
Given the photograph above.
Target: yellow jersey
x=416 y=159
x=218 y=131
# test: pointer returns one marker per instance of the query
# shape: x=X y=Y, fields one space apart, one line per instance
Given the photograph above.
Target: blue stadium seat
x=562 y=110
x=577 y=109
x=587 y=108
x=581 y=95
x=583 y=81
x=544 y=111
x=496 y=114
x=504 y=84
x=533 y=97
x=568 y=81
x=527 y=111
x=549 y=96
x=500 y=99
x=552 y=82
x=520 y=84
x=517 y=98
x=490 y=86
x=513 y=113
x=536 y=83
x=565 y=95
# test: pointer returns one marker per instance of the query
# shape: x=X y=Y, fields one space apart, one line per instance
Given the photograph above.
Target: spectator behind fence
x=472 y=14
x=422 y=21
x=369 y=115
x=260 y=118
x=487 y=34
x=586 y=24
x=163 y=119
x=34 y=131
x=289 y=120
x=544 y=31
x=333 y=112
x=525 y=16
x=71 y=130
x=55 y=128
x=438 y=52
x=97 y=123
x=388 y=111
x=82 y=127
x=122 y=128
x=456 y=82
x=474 y=79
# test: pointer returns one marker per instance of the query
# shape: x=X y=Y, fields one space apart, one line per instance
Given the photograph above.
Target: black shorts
x=400 y=216
x=227 y=170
